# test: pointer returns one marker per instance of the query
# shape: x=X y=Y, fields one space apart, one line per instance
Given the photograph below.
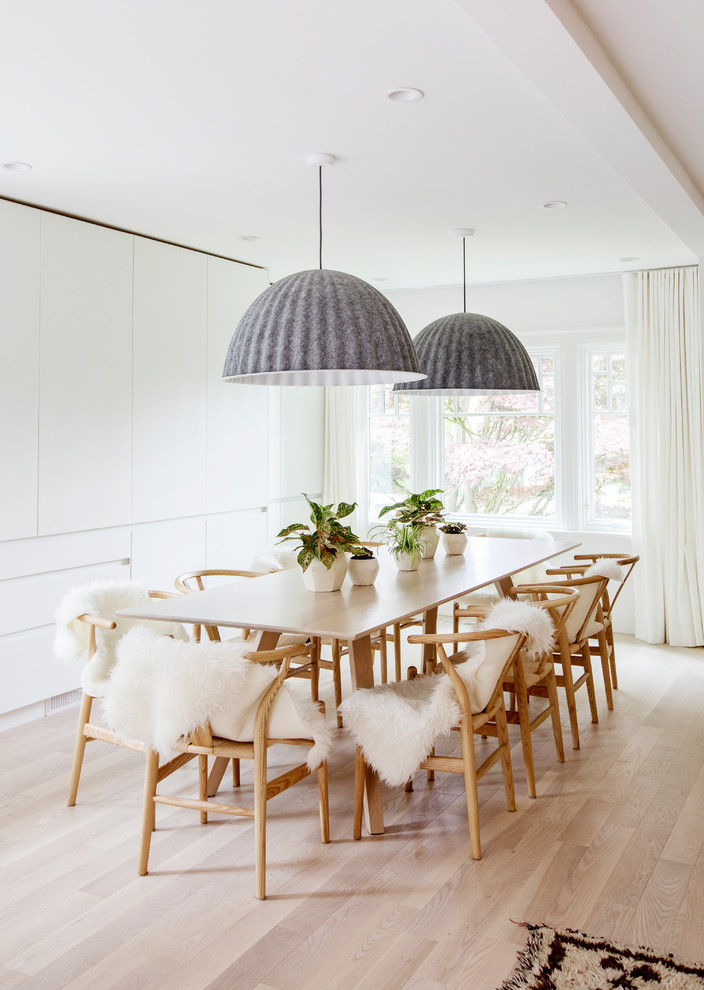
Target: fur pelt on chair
x=102 y=598
x=608 y=568
x=398 y=724
x=276 y=559
x=162 y=689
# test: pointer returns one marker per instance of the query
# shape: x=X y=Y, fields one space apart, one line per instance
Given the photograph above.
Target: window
x=609 y=465
x=389 y=446
x=558 y=459
x=499 y=451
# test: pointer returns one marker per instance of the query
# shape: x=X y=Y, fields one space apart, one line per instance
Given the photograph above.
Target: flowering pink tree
x=612 y=468
x=500 y=464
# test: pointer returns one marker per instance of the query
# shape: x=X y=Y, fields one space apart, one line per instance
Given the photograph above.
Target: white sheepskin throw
x=162 y=689
x=101 y=598
x=276 y=559
x=524 y=618
x=606 y=567
x=398 y=724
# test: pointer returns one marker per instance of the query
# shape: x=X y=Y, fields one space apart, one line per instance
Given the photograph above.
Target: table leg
x=361 y=666
x=265 y=641
x=504 y=585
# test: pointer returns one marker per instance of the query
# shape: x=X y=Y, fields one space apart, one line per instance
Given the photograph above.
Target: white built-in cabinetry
x=85 y=376
x=19 y=370
x=121 y=452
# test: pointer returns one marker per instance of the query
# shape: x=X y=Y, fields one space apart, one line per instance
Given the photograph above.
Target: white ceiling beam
x=550 y=43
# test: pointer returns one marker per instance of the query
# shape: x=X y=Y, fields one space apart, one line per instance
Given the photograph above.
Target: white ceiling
x=190 y=121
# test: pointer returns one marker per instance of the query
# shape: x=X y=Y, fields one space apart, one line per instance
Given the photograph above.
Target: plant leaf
x=345 y=508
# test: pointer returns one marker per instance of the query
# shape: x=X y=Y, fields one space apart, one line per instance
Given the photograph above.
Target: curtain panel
x=340 y=447
x=667 y=453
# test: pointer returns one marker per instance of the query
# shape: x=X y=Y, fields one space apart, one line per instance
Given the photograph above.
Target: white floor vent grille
x=61 y=701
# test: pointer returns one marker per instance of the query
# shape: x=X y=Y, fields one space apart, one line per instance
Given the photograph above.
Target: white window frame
x=570 y=352
x=590 y=523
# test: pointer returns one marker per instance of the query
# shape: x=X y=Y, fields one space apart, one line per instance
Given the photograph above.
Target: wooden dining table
x=279 y=603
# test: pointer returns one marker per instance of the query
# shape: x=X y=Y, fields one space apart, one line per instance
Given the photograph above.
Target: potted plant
x=454 y=538
x=405 y=542
x=424 y=509
x=324 y=545
x=364 y=566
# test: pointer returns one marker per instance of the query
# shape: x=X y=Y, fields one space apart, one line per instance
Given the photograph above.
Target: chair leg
x=314 y=669
x=203 y=784
x=455 y=620
x=568 y=683
x=383 y=656
x=359 y=768
x=151 y=771
x=555 y=714
x=524 y=725
x=502 y=732
x=323 y=803
x=397 y=651
x=235 y=772
x=80 y=748
x=612 y=653
x=337 y=679
x=260 y=763
x=470 y=785
x=604 y=653
x=587 y=658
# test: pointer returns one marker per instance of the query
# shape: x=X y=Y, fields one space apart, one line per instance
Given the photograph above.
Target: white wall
x=123 y=454
x=585 y=303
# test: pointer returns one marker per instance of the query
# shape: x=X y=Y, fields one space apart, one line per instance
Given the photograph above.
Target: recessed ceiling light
x=404 y=94
x=554 y=204
x=17 y=166
x=248 y=237
x=629 y=259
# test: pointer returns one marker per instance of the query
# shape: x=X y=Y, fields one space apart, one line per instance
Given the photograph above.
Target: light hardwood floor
x=612 y=845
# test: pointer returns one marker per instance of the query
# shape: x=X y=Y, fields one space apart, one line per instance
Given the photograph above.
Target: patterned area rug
x=567 y=960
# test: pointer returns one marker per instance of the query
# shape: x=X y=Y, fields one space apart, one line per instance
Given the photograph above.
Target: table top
x=280 y=603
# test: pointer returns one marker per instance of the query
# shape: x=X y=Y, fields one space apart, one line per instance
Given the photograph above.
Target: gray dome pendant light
x=321 y=327
x=470 y=354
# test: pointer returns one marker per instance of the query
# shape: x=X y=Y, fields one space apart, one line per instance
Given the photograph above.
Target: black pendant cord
x=464 y=273
x=320 y=215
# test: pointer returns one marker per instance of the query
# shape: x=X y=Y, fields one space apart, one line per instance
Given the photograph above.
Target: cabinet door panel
x=19 y=370
x=163 y=550
x=85 y=429
x=237 y=414
x=235 y=539
x=170 y=305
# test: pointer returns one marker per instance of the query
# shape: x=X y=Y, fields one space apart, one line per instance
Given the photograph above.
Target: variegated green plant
x=327 y=538
x=418 y=507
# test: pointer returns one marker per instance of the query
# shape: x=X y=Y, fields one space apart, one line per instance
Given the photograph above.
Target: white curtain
x=340 y=451
x=667 y=453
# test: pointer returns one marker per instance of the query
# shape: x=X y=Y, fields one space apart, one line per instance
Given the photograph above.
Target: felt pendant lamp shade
x=470 y=354
x=321 y=327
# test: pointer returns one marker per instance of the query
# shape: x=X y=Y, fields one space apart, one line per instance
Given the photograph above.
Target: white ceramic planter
x=364 y=571
x=405 y=561
x=317 y=577
x=432 y=537
x=454 y=543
